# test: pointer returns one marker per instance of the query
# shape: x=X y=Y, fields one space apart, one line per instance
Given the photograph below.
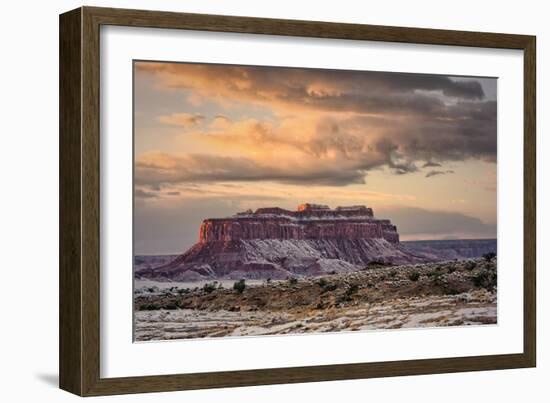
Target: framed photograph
x=249 y=201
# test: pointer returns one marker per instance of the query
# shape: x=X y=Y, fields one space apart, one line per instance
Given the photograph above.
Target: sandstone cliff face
x=283 y=228
x=305 y=223
x=279 y=243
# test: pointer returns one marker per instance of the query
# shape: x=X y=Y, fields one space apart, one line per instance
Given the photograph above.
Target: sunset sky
x=212 y=140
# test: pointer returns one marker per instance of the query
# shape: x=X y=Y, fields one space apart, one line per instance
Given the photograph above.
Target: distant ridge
x=453 y=248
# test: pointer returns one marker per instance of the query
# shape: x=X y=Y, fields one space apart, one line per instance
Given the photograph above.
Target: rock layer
x=308 y=222
x=279 y=243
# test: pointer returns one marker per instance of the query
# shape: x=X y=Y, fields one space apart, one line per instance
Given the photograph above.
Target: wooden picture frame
x=79 y=348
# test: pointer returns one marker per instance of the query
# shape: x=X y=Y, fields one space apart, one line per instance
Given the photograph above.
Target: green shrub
x=209 y=287
x=436 y=276
x=330 y=287
x=414 y=276
x=149 y=307
x=489 y=256
x=239 y=286
x=322 y=282
x=393 y=273
x=486 y=279
x=293 y=281
x=352 y=289
x=348 y=295
x=470 y=265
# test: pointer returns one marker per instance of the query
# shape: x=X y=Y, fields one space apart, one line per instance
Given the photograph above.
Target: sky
x=212 y=140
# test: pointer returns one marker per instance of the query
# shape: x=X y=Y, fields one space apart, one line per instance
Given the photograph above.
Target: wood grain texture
x=316 y=29
x=90 y=202
x=530 y=202
x=80 y=201
x=70 y=271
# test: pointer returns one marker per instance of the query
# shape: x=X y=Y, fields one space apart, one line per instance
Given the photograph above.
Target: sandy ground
x=451 y=293
x=143 y=284
x=473 y=308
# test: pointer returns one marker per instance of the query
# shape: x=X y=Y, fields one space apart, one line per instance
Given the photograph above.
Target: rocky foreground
x=449 y=293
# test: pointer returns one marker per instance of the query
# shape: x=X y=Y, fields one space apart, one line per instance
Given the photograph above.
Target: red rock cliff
x=310 y=221
x=277 y=243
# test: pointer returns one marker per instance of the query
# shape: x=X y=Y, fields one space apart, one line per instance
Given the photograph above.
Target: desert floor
x=456 y=293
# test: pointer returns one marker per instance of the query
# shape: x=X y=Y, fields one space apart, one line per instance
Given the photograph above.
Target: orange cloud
x=156 y=169
x=408 y=117
x=264 y=136
x=181 y=119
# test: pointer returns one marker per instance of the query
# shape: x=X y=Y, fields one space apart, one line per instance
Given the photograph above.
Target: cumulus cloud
x=246 y=133
x=155 y=169
x=353 y=120
x=326 y=150
x=293 y=89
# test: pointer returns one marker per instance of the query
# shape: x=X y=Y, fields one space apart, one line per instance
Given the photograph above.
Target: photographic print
x=278 y=200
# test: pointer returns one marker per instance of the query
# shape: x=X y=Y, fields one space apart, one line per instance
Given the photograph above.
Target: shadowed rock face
x=286 y=228
x=279 y=243
x=308 y=222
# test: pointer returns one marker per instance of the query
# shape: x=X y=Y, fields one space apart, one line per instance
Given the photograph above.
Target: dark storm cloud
x=300 y=84
x=324 y=90
x=393 y=158
x=365 y=121
x=402 y=82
